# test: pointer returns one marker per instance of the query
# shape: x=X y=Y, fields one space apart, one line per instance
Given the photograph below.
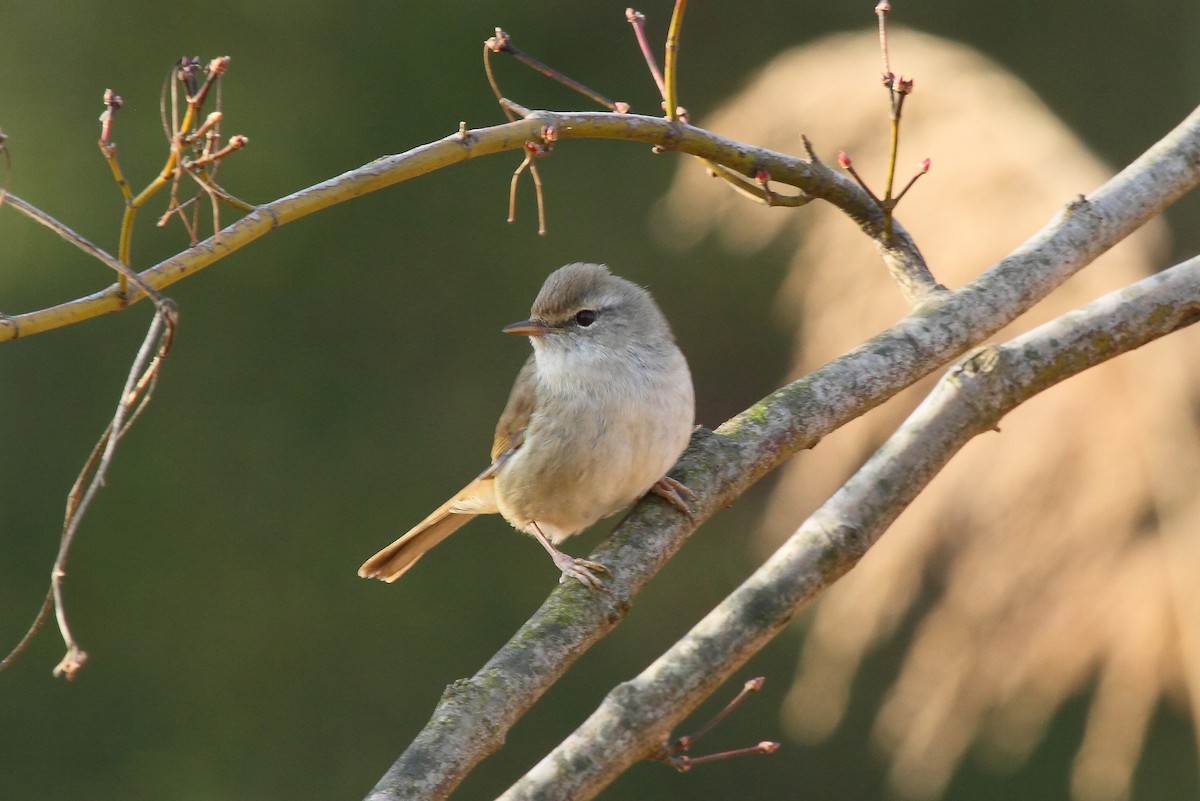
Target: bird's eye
x=585 y=317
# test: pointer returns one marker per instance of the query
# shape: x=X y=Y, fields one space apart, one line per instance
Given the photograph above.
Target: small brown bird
x=601 y=410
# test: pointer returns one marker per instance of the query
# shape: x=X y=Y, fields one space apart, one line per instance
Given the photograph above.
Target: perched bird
x=598 y=414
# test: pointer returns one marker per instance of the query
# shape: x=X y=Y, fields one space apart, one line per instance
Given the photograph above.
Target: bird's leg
x=672 y=492
x=582 y=570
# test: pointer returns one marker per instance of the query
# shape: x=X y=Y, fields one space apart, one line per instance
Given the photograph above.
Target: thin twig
x=922 y=168
x=75 y=656
x=541 y=201
x=138 y=388
x=759 y=193
x=213 y=188
x=808 y=148
x=139 y=385
x=38 y=620
x=671 y=61
x=180 y=137
x=7 y=166
x=684 y=763
x=750 y=686
x=214 y=202
x=502 y=43
x=512 y=186
x=491 y=78
x=848 y=165
x=39 y=216
x=638 y=20
x=881 y=10
x=236 y=142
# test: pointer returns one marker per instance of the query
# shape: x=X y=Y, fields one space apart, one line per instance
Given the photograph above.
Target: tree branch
x=814 y=179
x=636 y=718
x=473 y=716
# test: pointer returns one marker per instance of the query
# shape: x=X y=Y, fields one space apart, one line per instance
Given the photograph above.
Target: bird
x=600 y=411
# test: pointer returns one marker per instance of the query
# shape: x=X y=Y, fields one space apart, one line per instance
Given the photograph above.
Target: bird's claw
x=582 y=570
x=672 y=491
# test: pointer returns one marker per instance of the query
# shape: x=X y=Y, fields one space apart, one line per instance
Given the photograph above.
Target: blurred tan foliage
x=1059 y=553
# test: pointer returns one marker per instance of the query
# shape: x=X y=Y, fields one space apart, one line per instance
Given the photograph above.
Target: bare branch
x=139 y=386
x=638 y=20
x=502 y=43
x=814 y=179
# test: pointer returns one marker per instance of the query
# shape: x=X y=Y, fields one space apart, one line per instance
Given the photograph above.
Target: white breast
x=598 y=438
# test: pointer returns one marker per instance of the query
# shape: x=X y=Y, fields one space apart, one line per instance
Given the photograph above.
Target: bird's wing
x=510 y=429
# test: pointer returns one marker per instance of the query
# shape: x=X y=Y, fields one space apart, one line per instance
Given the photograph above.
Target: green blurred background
x=336 y=379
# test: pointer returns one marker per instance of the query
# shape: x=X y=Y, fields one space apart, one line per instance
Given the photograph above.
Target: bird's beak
x=529 y=328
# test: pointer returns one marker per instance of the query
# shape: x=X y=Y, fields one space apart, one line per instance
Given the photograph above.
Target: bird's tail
x=393 y=561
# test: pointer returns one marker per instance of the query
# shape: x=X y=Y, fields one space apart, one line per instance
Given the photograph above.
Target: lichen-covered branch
x=471 y=720
x=635 y=719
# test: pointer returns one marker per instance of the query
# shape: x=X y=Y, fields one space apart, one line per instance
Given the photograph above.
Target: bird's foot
x=672 y=492
x=582 y=570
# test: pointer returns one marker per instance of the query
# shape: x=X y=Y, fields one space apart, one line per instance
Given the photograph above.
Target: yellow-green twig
x=671 y=61
x=165 y=176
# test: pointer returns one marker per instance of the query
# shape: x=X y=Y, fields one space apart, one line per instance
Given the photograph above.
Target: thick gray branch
x=636 y=718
